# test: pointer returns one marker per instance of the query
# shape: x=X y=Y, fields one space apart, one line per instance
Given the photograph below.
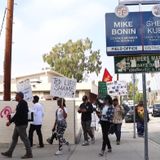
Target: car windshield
x=157 y=106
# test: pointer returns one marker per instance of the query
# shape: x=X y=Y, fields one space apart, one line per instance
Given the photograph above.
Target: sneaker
x=69 y=146
x=59 y=152
x=118 y=142
x=40 y=146
x=49 y=140
x=101 y=153
x=26 y=156
x=110 y=150
x=93 y=140
x=85 y=143
x=140 y=135
x=6 y=154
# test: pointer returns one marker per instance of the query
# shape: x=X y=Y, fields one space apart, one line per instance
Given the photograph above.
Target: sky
x=40 y=24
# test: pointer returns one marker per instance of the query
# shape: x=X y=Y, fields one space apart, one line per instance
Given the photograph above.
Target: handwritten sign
x=63 y=87
x=25 y=88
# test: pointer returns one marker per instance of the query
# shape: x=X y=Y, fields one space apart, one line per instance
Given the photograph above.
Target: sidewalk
x=129 y=149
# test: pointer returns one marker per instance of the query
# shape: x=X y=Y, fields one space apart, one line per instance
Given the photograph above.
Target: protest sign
x=63 y=87
x=25 y=88
x=117 y=88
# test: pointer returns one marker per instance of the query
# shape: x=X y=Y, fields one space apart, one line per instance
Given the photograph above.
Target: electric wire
x=3 y=21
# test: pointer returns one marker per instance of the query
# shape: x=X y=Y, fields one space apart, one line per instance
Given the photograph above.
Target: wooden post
x=8 y=51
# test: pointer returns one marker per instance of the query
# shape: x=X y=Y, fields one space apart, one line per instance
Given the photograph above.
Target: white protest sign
x=25 y=88
x=117 y=88
x=63 y=87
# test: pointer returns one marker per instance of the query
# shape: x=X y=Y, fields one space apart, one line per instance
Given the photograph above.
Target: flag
x=106 y=76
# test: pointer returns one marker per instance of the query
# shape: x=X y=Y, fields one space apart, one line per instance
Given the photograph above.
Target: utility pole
x=8 y=51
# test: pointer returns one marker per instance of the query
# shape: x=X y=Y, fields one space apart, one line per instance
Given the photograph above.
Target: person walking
x=139 y=110
x=106 y=117
x=36 y=125
x=20 y=119
x=94 y=120
x=86 y=110
x=60 y=125
x=117 y=119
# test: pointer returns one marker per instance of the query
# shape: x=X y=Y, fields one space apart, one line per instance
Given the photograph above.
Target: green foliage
x=74 y=59
x=138 y=95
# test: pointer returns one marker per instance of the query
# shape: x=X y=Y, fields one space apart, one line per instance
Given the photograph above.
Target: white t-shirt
x=38 y=110
x=95 y=119
x=59 y=114
x=104 y=111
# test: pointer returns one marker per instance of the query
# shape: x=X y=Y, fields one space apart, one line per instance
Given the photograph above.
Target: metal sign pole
x=134 y=115
x=145 y=109
x=145 y=118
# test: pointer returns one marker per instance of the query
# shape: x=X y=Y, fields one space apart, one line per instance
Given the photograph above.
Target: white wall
x=73 y=122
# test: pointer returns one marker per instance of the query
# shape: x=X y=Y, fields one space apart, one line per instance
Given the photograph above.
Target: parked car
x=156 y=110
x=150 y=109
x=129 y=118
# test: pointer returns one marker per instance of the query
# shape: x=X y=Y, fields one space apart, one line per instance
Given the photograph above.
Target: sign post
x=134 y=113
x=145 y=118
x=136 y=37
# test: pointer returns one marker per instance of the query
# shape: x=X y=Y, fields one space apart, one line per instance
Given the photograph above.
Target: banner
x=63 y=87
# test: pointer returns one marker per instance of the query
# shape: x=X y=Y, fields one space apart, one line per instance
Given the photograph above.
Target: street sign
x=137 y=64
x=136 y=2
x=137 y=33
x=102 y=89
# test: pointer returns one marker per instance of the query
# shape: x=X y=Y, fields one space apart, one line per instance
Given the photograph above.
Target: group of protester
x=108 y=113
x=111 y=115
x=20 y=118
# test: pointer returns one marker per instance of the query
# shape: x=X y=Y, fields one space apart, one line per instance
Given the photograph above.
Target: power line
x=3 y=21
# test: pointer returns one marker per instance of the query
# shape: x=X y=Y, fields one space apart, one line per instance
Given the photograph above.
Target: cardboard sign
x=25 y=88
x=117 y=88
x=63 y=87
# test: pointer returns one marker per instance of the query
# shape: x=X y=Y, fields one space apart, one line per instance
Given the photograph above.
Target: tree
x=138 y=95
x=74 y=59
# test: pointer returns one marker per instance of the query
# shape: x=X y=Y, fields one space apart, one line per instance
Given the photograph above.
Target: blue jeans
x=140 y=128
x=118 y=131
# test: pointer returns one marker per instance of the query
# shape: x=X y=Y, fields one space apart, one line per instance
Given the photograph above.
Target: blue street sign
x=137 y=33
x=137 y=2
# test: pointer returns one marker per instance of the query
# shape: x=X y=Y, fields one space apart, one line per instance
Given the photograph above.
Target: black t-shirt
x=86 y=116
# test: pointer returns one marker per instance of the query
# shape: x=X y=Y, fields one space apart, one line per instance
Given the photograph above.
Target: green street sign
x=137 y=64
x=102 y=89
